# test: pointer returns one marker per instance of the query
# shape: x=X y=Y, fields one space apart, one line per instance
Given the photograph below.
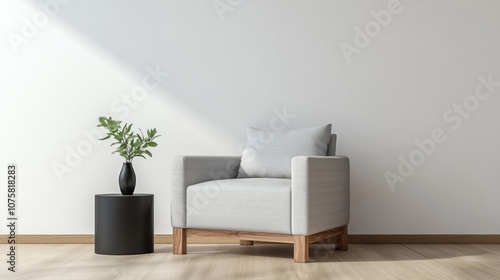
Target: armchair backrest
x=332 y=145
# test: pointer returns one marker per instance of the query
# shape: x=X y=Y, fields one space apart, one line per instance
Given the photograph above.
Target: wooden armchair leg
x=246 y=242
x=342 y=240
x=179 y=242
x=300 y=248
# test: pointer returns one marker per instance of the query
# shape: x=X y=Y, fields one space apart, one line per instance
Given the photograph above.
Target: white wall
x=227 y=74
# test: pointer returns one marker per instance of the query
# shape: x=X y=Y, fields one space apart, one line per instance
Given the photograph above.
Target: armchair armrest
x=320 y=193
x=190 y=170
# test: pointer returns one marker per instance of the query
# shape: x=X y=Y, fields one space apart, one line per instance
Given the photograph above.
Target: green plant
x=130 y=145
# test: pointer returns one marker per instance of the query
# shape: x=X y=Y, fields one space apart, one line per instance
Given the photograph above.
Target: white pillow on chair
x=268 y=154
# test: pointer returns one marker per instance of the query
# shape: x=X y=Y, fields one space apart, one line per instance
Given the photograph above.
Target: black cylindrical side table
x=124 y=224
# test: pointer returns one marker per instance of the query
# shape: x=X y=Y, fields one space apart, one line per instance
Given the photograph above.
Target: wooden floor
x=262 y=261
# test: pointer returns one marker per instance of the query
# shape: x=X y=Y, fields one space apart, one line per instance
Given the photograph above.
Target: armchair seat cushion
x=245 y=204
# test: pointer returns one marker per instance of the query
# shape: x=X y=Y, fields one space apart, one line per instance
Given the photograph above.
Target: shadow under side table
x=124 y=224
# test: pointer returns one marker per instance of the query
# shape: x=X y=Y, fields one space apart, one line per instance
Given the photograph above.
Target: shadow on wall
x=233 y=72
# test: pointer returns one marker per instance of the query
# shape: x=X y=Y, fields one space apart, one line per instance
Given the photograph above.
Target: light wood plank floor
x=262 y=261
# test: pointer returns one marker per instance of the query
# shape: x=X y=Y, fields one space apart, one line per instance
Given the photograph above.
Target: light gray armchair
x=208 y=200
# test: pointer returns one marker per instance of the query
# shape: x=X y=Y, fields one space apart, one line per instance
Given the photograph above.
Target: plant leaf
x=152 y=144
x=102 y=120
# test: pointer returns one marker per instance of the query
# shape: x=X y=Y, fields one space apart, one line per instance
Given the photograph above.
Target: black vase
x=127 y=179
